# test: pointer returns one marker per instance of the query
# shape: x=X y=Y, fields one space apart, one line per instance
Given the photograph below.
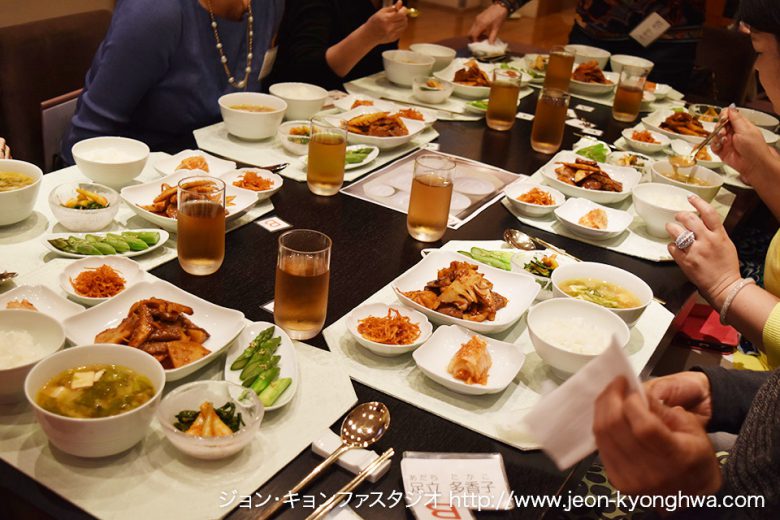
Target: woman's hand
x=488 y=22
x=5 y=151
x=711 y=262
x=742 y=146
x=653 y=450
x=690 y=390
x=388 y=24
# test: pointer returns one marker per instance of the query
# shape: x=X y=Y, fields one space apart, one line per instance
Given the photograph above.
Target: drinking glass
x=200 y=224
x=549 y=121
x=302 y=279
x=502 y=104
x=628 y=97
x=327 y=151
x=559 y=68
x=429 y=201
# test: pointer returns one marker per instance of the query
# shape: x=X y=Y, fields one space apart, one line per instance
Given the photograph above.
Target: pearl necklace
x=222 y=58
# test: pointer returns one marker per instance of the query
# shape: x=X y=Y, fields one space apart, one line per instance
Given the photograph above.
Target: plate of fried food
x=91 y=281
x=469 y=363
x=449 y=290
x=586 y=218
x=385 y=130
x=645 y=141
x=589 y=79
x=353 y=101
x=678 y=124
x=262 y=183
x=180 y=330
x=194 y=160
x=576 y=176
x=157 y=201
x=470 y=78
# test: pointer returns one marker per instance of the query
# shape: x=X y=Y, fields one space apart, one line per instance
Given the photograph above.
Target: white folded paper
x=353 y=460
x=562 y=422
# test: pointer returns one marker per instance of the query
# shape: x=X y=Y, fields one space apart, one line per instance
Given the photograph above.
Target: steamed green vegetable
x=274 y=390
x=107 y=244
x=498 y=259
x=479 y=104
x=357 y=156
x=597 y=152
x=259 y=366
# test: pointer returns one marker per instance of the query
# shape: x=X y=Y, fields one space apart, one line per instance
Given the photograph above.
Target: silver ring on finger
x=685 y=239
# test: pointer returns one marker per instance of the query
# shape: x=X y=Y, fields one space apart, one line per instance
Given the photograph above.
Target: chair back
x=56 y=114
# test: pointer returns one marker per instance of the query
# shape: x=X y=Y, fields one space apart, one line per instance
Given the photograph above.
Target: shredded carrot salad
x=98 y=282
x=253 y=181
x=393 y=329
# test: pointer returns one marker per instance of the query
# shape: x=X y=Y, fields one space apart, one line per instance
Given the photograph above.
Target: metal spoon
x=364 y=426
x=519 y=240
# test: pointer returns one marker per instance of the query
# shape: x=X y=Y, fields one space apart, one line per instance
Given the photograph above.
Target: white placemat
x=154 y=480
x=21 y=247
x=635 y=241
x=497 y=416
x=454 y=109
x=216 y=139
x=674 y=99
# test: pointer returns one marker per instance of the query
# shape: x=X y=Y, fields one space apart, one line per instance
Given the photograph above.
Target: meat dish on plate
x=377 y=124
x=471 y=75
x=460 y=291
x=587 y=174
x=166 y=203
x=685 y=124
x=589 y=72
x=160 y=328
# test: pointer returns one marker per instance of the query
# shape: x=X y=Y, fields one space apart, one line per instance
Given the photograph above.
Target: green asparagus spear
x=104 y=248
x=264 y=379
x=241 y=361
x=85 y=248
x=118 y=244
x=499 y=259
x=136 y=244
x=272 y=392
x=262 y=354
x=255 y=370
x=150 y=237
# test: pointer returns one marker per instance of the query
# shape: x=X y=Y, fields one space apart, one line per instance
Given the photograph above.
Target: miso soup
x=14 y=181
x=606 y=294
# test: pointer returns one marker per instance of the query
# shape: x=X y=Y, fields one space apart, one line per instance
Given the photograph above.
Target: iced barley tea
x=200 y=241
x=549 y=121
x=429 y=201
x=502 y=104
x=559 y=69
x=327 y=150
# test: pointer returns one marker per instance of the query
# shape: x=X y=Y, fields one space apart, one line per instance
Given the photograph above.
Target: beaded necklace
x=223 y=59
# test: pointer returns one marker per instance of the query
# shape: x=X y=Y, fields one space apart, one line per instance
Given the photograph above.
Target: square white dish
x=217 y=166
x=570 y=213
x=629 y=177
x=221 y=323
x=231 y=176
x=45 y=300
x=288 y=364
x=434 y=356
x=519 y=288
x=143 y=195
x=383 y=143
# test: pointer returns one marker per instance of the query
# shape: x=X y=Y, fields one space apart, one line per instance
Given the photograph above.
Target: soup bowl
x=252 y=126
x=48 y=335
x=610 y=274
x=401 y=67
x=441 y=55
x=18 y=204
x=104 y=436
x=661 y=172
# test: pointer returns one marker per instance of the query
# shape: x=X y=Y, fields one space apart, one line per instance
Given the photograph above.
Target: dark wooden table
x=370 y=248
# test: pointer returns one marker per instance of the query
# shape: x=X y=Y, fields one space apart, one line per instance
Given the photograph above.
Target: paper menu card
x=562 y=421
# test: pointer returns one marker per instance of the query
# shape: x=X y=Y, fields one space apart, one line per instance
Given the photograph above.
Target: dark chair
x=40 y=61
x=728 y=55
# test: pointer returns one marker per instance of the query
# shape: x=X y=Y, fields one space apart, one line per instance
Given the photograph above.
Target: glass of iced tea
x=502 y=104
x=559 y=68
x=429 y=202
x=628 y=96
x=200 y=224
x=302 y=278
x=550 y=120
x=327 y=151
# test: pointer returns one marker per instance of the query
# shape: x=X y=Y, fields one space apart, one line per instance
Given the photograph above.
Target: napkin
x=703 y=324
x=562 y=421
x=487 y=50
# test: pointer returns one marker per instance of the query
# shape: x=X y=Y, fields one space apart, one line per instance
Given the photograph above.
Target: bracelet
x=737 y=286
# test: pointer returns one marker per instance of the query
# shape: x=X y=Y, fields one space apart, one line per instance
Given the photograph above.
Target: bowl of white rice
x=568 y=333
x=26 y=337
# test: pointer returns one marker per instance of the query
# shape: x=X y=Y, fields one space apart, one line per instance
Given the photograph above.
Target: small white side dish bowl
x=660 y=169
x=216 y=165
x=252 y=126
x=303 y=99
x=295 y=144
x=380 y=310
x=759 y=118
x=231 y=177
x=516 y=189
x=17 y=205
x=103 y=436
x=595 y=89
x=684 y=148
x=657 y=204
x=583 y=53
x=113 y=161
x=434 y=357
x=574 y=209
x=442 y=56
x=190 y=397
x=618 y=61
x=607 y=273
x=519 y=288
x=83 y=220
x=643 y=147
x=429 y=95
x=459 y=89
x=401 y=67
x=550 y=339
x=48 y=335
x=661 y=90
x=128 y=269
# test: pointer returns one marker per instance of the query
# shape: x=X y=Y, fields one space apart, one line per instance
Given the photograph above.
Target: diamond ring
x=685 y=240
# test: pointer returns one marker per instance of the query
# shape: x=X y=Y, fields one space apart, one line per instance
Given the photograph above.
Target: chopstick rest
x=354 y=460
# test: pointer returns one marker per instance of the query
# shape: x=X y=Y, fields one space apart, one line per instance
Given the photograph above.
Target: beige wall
x=13 y=12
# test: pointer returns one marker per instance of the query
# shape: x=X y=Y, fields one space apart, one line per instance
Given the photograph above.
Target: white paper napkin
x=484 y=48
x=562 y=422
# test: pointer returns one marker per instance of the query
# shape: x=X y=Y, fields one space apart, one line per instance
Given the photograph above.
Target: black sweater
x=309 y=28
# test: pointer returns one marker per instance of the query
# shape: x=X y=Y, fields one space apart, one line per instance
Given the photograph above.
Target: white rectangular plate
x=44 y=299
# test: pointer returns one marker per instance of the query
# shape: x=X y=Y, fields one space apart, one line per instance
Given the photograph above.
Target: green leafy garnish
x=597 y=152
x=480 y=104
x=357 y=156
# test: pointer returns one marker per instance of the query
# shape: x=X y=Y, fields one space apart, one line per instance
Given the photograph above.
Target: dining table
x=371 y=247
